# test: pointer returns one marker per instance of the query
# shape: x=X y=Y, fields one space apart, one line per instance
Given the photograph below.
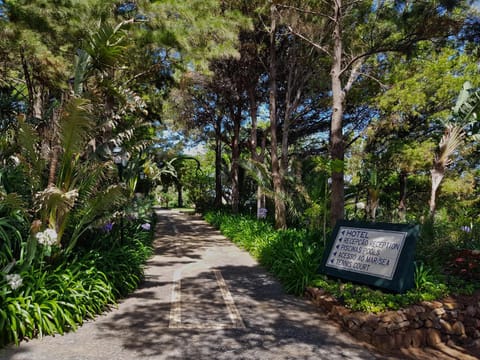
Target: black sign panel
x=378 y=254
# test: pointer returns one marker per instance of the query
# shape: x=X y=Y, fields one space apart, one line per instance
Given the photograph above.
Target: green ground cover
x=293 y=256
x=56 y=294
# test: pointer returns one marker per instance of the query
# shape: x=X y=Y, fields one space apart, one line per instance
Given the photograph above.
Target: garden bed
x=454 y=320
x=386 y=320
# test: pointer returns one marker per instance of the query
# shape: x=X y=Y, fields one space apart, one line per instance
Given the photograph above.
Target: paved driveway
x=203 y=298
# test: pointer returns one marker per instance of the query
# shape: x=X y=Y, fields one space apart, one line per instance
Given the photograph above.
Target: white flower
x=14 y=280
x=47 y=237
x=16 y=160
x=360 y=205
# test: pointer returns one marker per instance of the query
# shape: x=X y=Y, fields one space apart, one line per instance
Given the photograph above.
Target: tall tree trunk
x=402 y=204
x=291 y=103
x=372 y=203
x=337 y=146
x=280 y=209
x=254 y=144
x=437 y=177
x=218 y=163
x=179 y=193
x=253 y=115
x=261 y=203
x=235 y=162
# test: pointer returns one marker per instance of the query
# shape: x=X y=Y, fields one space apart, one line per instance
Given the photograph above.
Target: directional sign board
x=378 y=254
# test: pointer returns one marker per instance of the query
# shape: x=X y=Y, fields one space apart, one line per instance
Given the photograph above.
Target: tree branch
x=311 y=42
x=353 y=75
x=382 y=85
x=295 y=8
x=150 y=70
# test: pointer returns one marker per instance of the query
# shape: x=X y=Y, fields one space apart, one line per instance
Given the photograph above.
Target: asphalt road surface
x=203 y=298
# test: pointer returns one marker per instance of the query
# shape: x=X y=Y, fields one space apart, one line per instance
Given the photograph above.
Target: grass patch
x=294 y=256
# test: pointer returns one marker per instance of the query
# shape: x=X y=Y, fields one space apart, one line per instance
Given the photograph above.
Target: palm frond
x=89 y=177
x=106 y=46
x=104 y=202
x=259 y=172
x=126 y=135
x=75 y=126
x=131 y=102
x=27 y=140
x=449 y=143
x=75 y=130
x=82 y=62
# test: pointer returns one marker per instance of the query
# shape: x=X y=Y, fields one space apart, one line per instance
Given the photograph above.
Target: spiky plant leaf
x=54 y=206
x=463 y=97
x=102 y=203
x=82 y=61
x=75 y=126
x=11 y=203
x=28 y=139
x=467 y=106
x=106 y=46
x=55 y=198
x=449 y=143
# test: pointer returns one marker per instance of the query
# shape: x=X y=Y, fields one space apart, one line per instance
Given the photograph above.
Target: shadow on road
x=277 y=326
x=195 y=285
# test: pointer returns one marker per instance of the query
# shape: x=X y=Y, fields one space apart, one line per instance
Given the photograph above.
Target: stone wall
x=453 y=320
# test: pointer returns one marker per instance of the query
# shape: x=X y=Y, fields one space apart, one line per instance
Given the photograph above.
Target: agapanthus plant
x=48 y=237
x=14 y=281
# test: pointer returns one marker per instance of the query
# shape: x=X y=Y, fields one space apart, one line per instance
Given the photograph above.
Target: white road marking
x=228 y=299
x=175 y=318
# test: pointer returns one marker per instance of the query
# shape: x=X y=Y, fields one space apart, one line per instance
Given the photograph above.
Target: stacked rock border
x=454 y=320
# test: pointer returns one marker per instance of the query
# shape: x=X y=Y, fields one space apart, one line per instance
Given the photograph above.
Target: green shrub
x=55 y=296
x=363 y=298
x=293 y=256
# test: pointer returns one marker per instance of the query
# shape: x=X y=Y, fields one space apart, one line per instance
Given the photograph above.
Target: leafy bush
x=363 y=298
x=465 y=264
x=52 y=300
x=55 y=296
x=293 y=256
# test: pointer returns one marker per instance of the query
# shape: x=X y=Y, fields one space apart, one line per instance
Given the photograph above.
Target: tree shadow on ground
x=277 y=326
